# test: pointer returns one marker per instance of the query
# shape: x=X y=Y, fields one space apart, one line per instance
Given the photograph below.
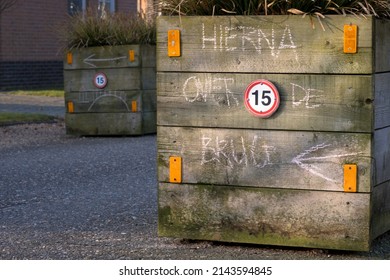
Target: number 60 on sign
x=262 y=98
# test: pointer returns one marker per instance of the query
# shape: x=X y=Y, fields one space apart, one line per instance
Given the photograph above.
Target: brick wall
x=126 y=6
x=30 y=51
x=31 y=75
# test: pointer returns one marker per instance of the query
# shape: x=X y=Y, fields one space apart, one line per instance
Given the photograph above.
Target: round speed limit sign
x=100 y=80
x=262 y=98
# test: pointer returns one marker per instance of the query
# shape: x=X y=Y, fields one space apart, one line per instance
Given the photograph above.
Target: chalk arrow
x=304 y=157
x=89 y=60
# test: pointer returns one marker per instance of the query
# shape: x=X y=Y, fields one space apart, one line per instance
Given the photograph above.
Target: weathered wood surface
x=380 y=209
x=149 y=101
x=117 y=79
x=148 y=78
x=149 y=120
x=104 y=57
x=279 y=180
x=109 y=111
x=308 y=102
x=381 y=154
x=333 y=220
x=148 y=55
x=111 y=123
x=112 y=57
x=382 y=46
x=382 y=99
x=107 y=101
x=265 y=158
x=271 y=44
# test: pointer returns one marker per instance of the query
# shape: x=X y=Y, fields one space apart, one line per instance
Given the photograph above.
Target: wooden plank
x=104 y=101
x=104 y=57
x=118 y=79
x=265 y=158
x=138 y=123
x=332 y=220
x=149 y=122
x=381 y=165
x=107 y=101
x=308 y=102
x=265 y=44
x=382 y=46
x=149 y=101
x=148 y=78
x=104 y=124
x=380 y=209
x=148 y=55
x=382 y=100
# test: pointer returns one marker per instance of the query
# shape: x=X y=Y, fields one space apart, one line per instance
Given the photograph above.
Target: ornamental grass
x=90 y=30
x=377 y=8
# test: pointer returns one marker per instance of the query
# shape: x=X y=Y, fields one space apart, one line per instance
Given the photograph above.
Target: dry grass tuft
x=90 y=30
x=319 y=8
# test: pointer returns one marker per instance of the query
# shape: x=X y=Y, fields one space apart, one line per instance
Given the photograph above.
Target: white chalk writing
x=305 y=96
x=222 y=89
x=245 y=38
x=309 y=166
x=196 y=90
x=90 y=60
x=95 y=96
x=235 y=152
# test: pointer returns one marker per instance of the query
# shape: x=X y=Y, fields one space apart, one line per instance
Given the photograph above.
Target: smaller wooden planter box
x=225 y=174
x=110 y=90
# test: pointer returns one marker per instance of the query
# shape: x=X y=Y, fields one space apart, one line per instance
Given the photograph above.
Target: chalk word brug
x=248 y=38
x=233 y=152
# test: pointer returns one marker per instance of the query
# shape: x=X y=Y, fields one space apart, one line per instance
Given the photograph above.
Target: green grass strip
x=48 y=93
x=17 y=118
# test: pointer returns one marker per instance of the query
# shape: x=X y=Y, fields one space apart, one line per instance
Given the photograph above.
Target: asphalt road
x=65 y=197
x=60 y=196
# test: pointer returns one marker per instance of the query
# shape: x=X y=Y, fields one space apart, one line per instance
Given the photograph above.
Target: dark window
x=105 y=7
x=76 y=6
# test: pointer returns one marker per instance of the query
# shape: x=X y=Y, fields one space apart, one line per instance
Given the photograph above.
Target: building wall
x=126 y=5
x=30 y=50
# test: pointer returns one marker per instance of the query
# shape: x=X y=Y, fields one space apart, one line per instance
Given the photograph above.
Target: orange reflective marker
x=350 y=177
x=174 y=43
x=131 y=55
x=350 y=38
x=175 y=170
x=70 y=106
x=69 y=58
x=134 y=106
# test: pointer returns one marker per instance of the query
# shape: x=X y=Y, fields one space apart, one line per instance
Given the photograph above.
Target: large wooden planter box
x=111 y=90
x=276 y=180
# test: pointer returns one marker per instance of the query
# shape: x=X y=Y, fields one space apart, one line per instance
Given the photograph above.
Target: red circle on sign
x=262 y=98
x=100 y=80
